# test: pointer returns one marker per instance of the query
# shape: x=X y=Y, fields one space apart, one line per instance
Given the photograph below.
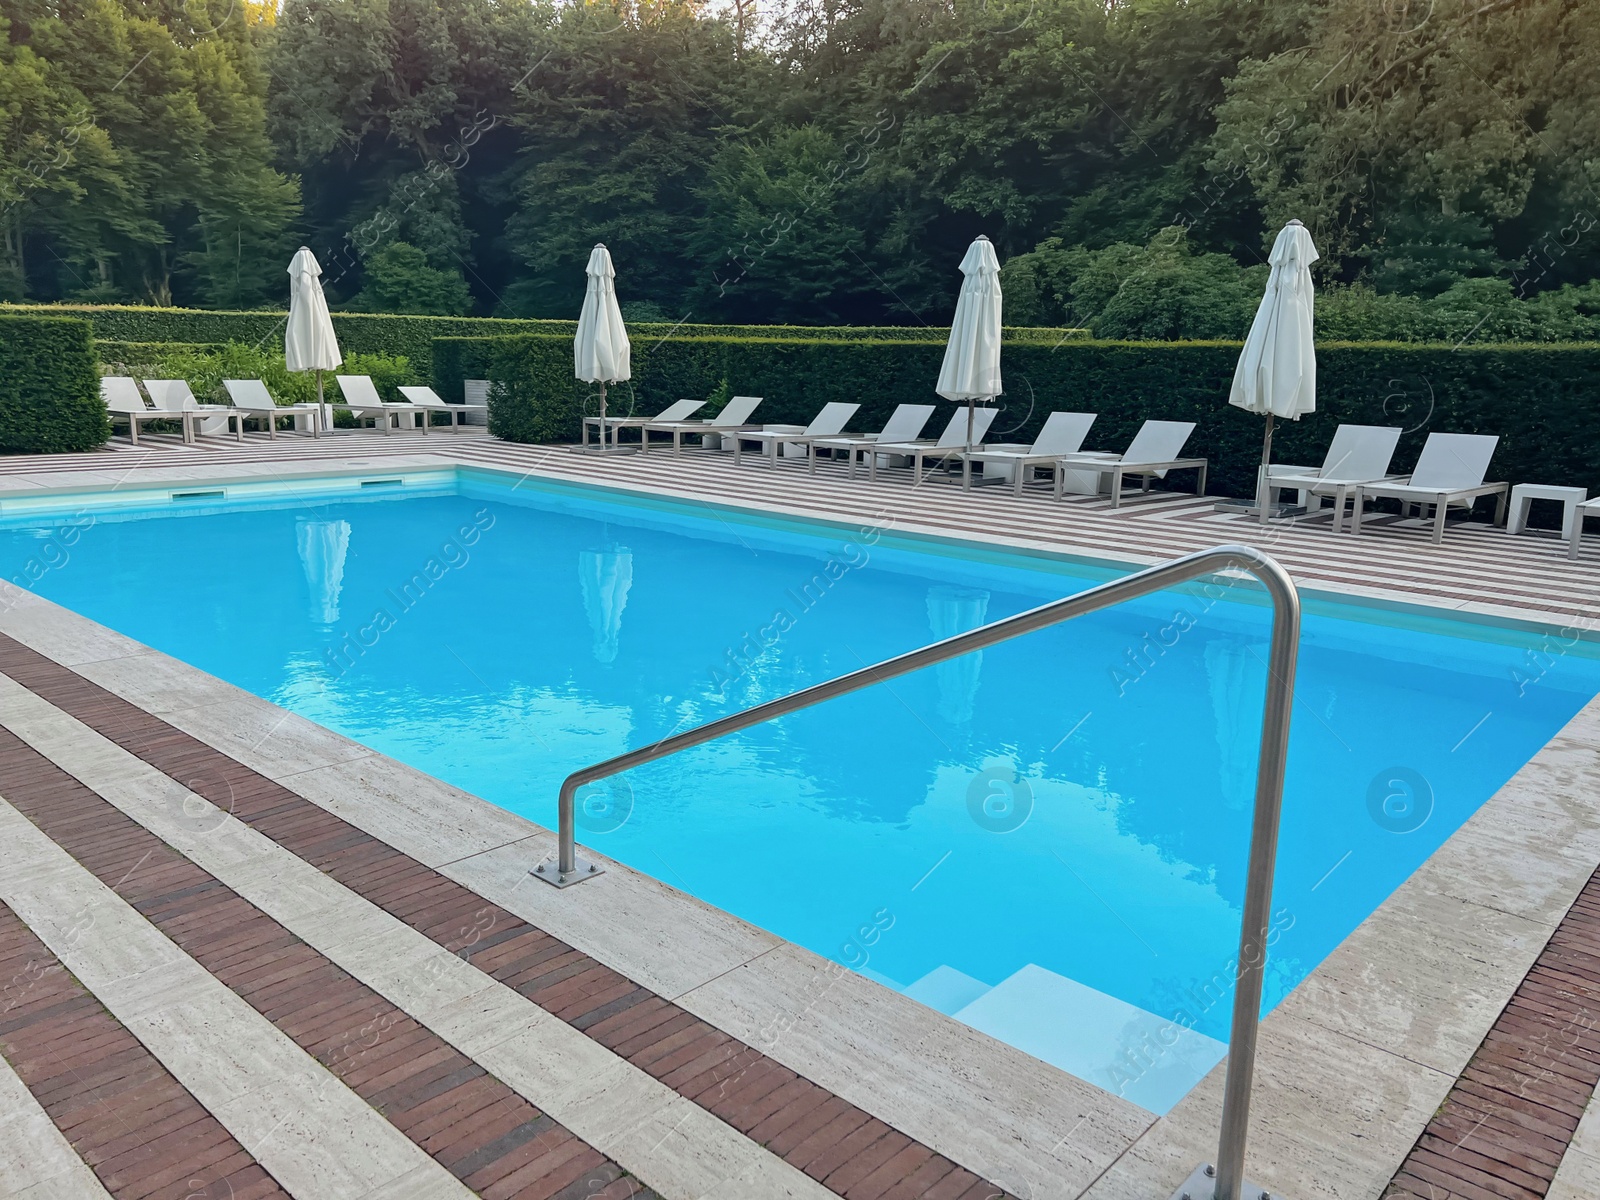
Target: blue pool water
x=1046 y=840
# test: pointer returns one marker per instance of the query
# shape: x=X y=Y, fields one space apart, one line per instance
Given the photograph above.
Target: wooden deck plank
x=140 y=1130
x=390 y=1060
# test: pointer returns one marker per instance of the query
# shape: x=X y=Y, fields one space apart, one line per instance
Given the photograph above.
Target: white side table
x=1570 y=498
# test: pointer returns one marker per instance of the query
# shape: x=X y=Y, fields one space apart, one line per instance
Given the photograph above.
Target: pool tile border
x=435 y=1095
x=843 y=1147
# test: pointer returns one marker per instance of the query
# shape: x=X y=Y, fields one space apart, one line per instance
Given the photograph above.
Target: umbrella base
x=1251 y=509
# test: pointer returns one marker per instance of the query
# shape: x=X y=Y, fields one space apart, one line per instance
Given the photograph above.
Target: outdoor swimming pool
x=1046 y=841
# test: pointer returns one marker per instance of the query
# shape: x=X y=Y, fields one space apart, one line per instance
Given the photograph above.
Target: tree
x=160 y=185
x=617 y=122
x=1158 y=291
x=395 y=112
x=399 y=280
x=1431 y=139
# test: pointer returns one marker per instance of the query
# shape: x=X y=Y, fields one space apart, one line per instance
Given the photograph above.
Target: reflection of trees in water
x=1178 y=749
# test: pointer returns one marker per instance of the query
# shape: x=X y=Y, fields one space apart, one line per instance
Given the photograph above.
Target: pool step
x=1146 y=1059
x=947 y=990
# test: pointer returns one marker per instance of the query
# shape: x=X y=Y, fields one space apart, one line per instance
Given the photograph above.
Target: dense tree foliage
x=813 y=162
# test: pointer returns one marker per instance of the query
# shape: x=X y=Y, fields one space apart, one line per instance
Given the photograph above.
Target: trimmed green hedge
x=49 y=387
x=204 y=366
x=1538 y=399
x=413 y=337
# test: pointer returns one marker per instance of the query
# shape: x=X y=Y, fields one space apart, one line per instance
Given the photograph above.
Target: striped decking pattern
x=1502 y=1131
x=430 y=1091
x=486 y=1135
x=140 y=1130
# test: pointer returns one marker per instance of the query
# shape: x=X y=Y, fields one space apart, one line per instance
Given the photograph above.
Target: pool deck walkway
x=243 y=956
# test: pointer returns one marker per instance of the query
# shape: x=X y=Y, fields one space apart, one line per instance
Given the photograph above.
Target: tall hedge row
x=413 y=337
x=49 y=387
x=1540 y=400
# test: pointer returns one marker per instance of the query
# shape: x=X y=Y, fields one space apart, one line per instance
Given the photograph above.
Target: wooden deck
x=145 y=1127
x=1505 y=1127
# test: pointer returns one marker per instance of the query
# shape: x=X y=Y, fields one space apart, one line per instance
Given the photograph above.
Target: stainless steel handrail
x=1229 y=1176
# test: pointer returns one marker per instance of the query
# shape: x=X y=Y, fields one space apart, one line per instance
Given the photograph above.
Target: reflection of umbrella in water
x=605 y=576
x=323 y=546
x=1233 y=678
x=952 y=611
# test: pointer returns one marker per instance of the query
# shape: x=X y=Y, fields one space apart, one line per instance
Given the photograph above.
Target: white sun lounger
x=252 y=401
x=361 y=397
x=1358 y=454
x=1063 y=433
x=176 y=397
x=733 y=418
x=952 y=442
x=1155 y=450
x=125 y=403
x=903 y=425
x=829 y=422
x=679 y=410
x=427 y=398
x=1449 y=470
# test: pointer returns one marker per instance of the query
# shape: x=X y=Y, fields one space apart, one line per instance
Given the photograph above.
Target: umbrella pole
x=321 y=408
x=603 y=419
x=1263 y=492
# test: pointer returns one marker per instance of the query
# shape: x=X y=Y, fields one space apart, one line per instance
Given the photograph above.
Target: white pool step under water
x=1146 y=1059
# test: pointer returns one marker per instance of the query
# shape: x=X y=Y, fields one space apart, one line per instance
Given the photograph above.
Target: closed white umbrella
x=1277 y=371
x=971 y=369
x=309 y=343
x=600 y=352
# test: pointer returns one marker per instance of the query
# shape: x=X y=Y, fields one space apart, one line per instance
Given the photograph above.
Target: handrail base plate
x=1202 y=1185
x=582 y=869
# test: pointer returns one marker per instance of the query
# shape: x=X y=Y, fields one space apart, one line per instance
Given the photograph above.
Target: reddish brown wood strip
x=140 y=1130
x=1508 y=1119
x=430 y=1091
x=700 y=1062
